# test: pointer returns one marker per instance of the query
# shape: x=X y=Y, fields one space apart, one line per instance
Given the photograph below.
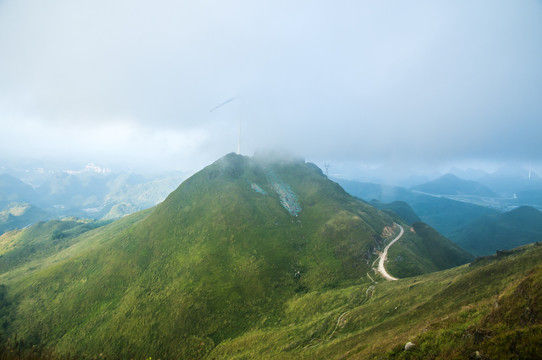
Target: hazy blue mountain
x=452 y=185
x=513 y=171
x=373 y=191
x=511 y=179
x=74 y=190
x=143 y=194
x=399 y=208
x=93 y=192
x=20 y=215
x=119 y=181
x=468 y=174
x=486 y=234
x=529 y=197
x=445 y=215
x=14 y=190
x=413 y=180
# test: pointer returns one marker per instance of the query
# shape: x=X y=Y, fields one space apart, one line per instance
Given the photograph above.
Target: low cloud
x=361 y=82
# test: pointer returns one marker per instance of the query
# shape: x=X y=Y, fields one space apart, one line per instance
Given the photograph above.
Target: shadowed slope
x=486 y=234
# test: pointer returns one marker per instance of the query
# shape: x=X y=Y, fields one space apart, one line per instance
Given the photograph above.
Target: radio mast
x=326 y=166
x=239 y=132
x=239 y=138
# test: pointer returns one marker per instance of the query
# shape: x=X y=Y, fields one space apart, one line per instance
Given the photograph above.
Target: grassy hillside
x=489 y=310
x=492 y=307
x=486 y=234
x=39 y=241
x=423 y=250
x=222 y=254
x=119 y=210
x=256 y=259
x=28 y=251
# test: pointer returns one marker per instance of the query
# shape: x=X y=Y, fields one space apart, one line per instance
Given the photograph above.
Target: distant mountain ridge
x=486 y=234
x=452 y=185
x=400 y=208
x=512 y=179
x=530 y=197
x=14 y=190
x=93 y=193
x=445 y=215
x=19 y=215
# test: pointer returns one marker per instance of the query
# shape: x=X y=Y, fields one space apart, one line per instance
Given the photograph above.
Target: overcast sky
x=131 y=83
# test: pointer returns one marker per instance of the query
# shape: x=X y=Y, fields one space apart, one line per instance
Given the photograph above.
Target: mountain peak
x=450 y=176
x=450 y=184
x=525 y=212
x=265 y=175
x=515 y=171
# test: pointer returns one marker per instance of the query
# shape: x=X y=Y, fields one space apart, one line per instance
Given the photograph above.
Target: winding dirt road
x=384 y=255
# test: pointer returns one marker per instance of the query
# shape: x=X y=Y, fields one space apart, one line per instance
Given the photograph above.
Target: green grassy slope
x=39 y=241
x=492 y=307
x=29 y=251
x=486 y=234
x=423 y=250
x=253 y=259
x=233 y=242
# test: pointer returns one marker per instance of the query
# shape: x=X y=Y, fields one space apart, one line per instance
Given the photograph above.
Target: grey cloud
x=360 y=81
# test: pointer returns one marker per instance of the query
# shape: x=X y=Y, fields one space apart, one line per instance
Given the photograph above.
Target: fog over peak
x=132 y=83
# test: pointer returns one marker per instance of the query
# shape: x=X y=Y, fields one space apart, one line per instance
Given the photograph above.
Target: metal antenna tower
x=239 y=132
x=239 y=138
x=326 y=167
